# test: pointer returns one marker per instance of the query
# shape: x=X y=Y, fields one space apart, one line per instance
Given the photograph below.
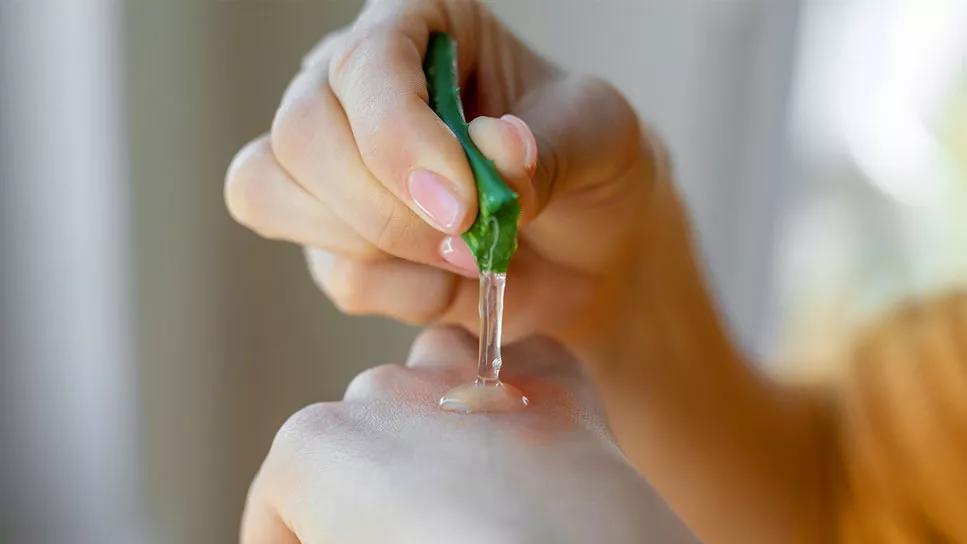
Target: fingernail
x=526 y=138
x=434 y=195
x=455 y=251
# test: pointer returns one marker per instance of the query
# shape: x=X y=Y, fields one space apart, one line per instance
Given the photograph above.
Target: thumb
x=567 y=135
x=509 y=142
x=586 y=131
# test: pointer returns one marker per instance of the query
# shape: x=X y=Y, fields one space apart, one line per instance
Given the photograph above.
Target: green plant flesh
x=493 y=236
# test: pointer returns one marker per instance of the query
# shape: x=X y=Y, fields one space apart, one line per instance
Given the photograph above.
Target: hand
x=360 y=170
x=386 y=465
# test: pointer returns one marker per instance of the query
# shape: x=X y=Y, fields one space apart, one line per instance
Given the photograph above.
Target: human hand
x=359 y=170
x=386 y=465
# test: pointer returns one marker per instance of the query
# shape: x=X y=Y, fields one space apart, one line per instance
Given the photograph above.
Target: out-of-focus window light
x=890 y=138
x=890 y=67
x=878 y=210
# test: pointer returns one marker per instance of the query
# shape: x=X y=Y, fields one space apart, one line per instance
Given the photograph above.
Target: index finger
x=377 y=76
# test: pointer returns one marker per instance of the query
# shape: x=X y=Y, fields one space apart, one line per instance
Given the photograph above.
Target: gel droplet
x=487 y=393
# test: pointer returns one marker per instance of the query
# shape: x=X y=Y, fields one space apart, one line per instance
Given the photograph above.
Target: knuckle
x=624 y=134
x=295 y=128
x=375 y=381
x=381 y=48
x=304 y=427
x=342 y=59
x=323 y=50
x=348 y=286
x=597 y=87
x=354 y=50
x=357 y=48
x=595 y=90
x=444 y=338
x=247 y=185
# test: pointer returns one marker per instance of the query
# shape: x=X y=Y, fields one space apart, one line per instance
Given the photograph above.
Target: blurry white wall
x=70 y=438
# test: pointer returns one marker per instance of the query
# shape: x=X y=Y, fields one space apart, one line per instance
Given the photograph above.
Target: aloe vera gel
x=492 y=239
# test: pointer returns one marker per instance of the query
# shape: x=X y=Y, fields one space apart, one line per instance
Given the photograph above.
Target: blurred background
x=150 y=347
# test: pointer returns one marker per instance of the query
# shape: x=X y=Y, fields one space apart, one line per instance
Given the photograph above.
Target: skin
x=605 y=265
x=385 y=465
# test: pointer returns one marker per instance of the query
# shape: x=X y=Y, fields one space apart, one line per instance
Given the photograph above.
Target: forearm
x=735 y=455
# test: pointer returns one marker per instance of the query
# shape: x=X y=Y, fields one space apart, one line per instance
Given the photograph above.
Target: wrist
x=682 y=403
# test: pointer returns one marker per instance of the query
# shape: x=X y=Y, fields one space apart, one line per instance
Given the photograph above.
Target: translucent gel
x=487 y=393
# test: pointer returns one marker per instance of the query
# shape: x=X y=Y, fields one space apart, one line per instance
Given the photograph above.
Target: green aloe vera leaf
x=493 y=236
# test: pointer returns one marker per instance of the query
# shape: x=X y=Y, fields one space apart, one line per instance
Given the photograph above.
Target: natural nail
x=435 y=197
x=455 y=251
x=526 y=139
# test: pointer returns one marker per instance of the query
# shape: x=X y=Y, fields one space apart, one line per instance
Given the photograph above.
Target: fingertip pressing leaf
x=492 y=237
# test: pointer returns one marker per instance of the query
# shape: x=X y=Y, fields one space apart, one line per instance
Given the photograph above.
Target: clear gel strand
x=487 y=393
x=491 y=320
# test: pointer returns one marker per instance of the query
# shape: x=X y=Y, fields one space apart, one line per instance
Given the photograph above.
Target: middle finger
x=312 y=140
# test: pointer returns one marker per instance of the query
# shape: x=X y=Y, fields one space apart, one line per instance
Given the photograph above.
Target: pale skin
x=358 y=170
x=385 y=465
